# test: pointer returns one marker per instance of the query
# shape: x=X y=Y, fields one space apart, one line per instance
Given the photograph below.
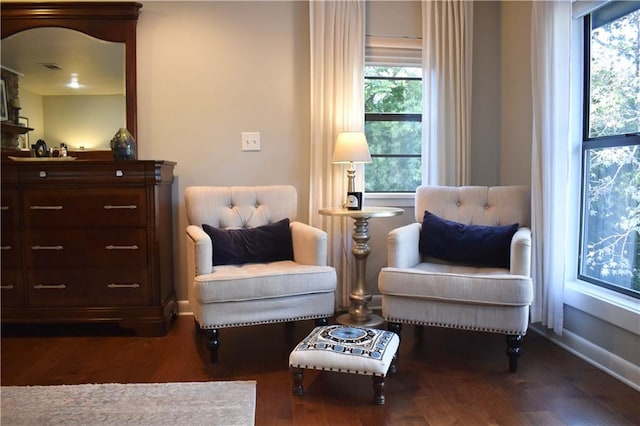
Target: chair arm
x=403 y=246
x=520 y=263
x=199 y=251
x=309 y=244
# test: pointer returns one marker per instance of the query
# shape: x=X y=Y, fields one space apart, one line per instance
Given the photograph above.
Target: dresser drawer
x=10 y=209
x=11 y=287
x=83 y=173
x=10 y=252
x=78 y=208
x=84 y=248
x=87 y=287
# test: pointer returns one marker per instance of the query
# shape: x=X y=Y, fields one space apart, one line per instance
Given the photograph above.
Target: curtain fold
x=337 y=104
x=447 y=31
x=550 y=169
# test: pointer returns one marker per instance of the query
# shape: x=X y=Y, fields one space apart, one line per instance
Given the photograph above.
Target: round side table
x=360 y=314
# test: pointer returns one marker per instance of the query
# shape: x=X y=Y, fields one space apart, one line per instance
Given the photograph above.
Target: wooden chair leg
x=418 y=330
x=297 y=374
x=321 y=322
x=378 y=390
x=213 y=344
x=396 y=327
x=513 y=351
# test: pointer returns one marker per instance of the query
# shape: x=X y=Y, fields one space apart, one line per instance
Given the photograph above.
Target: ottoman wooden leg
x=378 y=390
x=297 y=381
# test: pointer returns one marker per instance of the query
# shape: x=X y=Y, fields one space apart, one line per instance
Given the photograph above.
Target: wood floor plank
x=445 y=377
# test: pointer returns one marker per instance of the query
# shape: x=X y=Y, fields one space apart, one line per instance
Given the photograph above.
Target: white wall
x=208 y=71
x=486 y=100
x=393 y=18
x=515 y=73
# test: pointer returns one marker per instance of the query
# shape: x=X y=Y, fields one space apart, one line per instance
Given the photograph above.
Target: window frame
x=588 y=143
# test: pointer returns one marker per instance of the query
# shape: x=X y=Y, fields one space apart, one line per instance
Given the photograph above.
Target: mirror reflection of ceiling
x=99 y=64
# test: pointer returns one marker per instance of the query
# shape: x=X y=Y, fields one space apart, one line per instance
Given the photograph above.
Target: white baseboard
x=376 y=302
x=619 y=368
x=184 y=308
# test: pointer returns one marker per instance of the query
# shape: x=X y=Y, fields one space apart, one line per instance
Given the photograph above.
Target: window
x=393 y=116
x=610 y=209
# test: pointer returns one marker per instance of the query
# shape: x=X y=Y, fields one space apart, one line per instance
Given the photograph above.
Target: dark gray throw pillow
x=467 y=244
x=267 y=243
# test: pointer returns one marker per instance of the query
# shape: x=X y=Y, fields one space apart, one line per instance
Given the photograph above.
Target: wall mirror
x=48 y=42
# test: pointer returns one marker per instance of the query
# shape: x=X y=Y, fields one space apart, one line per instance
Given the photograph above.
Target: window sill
x=615 y=308
x=390 y=199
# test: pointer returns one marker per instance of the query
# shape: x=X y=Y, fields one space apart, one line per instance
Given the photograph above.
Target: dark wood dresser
x=88 y=241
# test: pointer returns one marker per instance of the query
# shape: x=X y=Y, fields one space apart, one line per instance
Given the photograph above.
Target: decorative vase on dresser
x=123 y=145
x=88 y=241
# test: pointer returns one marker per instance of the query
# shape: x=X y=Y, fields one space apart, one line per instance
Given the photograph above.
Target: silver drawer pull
x=115 y=285
x=127 y=206
x=50 y=286
x=6 y=248
x=6 y=287
x=112 y=247
x=47 y=248
x=4 y=207
x=45 y=207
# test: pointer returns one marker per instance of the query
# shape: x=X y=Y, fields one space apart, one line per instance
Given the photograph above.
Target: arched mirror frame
x=110 y=21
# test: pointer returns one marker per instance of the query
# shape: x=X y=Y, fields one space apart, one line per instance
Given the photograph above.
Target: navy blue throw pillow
x=267 y=243
x=466 y=244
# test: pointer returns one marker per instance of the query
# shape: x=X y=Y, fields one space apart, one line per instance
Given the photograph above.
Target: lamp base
x=354 y=200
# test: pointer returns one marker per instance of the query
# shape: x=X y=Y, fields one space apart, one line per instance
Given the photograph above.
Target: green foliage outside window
x=615 y=77
x=612 y=219
x=393 y=106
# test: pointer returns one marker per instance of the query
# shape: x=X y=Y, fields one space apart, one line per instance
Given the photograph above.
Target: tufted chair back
x=240 y=206
x=476 y=205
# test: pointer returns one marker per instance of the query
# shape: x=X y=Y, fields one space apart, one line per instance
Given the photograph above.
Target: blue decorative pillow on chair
x=267 y=243
x=467 y=244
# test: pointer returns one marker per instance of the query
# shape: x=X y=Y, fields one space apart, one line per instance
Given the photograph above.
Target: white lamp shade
x=351 y=147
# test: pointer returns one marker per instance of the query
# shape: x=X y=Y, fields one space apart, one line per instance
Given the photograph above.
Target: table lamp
x=351 y=147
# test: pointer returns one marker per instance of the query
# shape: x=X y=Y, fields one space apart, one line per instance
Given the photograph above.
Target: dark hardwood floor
x=445 y=376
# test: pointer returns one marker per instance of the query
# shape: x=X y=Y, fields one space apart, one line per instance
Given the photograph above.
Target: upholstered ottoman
x=346 y=349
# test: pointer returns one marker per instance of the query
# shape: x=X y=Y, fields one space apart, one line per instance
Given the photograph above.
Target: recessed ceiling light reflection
x=73 y=83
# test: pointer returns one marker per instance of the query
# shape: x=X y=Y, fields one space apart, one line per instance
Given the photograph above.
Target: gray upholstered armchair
x=455 y=267
x=250 y=262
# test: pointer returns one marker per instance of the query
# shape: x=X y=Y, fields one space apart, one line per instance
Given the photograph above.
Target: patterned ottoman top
x=343 y=348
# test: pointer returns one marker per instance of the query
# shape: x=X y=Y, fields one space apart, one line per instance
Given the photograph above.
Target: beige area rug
x=195 y=403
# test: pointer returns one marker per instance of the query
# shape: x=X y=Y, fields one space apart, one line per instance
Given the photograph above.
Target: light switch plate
x=251 y=141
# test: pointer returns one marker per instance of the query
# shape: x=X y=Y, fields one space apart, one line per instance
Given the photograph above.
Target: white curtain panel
x=550 y=169
x=337 y=104
x=447 y=31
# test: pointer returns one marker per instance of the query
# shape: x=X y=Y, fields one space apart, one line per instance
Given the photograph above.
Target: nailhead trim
x=459 y=327
x=275 y=321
